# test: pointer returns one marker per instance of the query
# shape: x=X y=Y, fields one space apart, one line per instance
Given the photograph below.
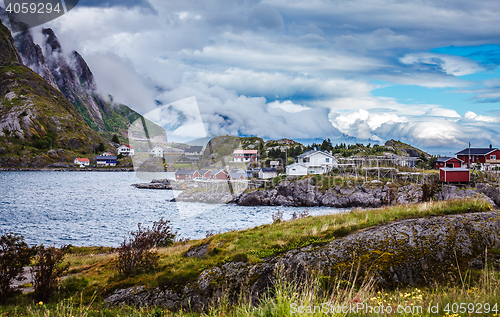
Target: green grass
x=311 y=298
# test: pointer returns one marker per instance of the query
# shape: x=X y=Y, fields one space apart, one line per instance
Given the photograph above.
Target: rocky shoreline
x=15 y=169
x=304 y=193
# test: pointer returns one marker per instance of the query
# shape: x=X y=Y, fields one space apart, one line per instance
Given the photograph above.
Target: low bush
x=138 y=251
x=47 y=271
x=15 y=254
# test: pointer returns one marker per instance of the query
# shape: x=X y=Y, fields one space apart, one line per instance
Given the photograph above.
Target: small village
x=189 y=163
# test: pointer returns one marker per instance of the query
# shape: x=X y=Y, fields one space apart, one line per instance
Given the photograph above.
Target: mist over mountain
x=70 y=74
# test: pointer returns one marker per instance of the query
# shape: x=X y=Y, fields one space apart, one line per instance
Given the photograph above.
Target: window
x=328 y=160
x=493 y=157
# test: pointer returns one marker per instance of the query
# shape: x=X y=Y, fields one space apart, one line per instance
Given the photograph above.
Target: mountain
x=74 y=78
x=35 y=117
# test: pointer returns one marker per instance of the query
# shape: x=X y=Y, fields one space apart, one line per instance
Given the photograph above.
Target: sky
x=423 y=72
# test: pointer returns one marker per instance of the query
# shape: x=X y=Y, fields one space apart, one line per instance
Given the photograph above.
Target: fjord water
x=100 y=208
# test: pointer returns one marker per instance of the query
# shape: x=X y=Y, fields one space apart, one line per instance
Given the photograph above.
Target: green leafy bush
x=15 y=254
x=47 y=271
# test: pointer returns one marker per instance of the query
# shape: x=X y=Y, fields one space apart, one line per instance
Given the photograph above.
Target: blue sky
x=424 y=72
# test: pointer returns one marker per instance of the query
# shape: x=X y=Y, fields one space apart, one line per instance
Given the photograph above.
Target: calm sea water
x=100 y=208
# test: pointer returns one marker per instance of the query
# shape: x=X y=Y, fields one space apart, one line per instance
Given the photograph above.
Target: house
x=296 y=169
x=220 y=174
x=238 y=175
x=186 y=174
x=487 y=156
x=106 y=160
x=454 y=175
x=157 y=151
x=107 y=154
x=82 y=162
x=274 y=164
x=265 y=173
x=194 y=150
x=205 y=173
x=125 y=150
x=245 y=156
x=450 y=162
x=183 y=160
x=317 y=162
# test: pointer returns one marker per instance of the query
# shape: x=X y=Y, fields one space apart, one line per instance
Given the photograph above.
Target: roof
x=238 y=175
x=126 y=145
x=185 y=172
x=219 y=171
x=107 y=157
x=268 y=170
x=311 y=152
x=245 y=152
x=296 y=164
x=450 y=169
x=83 y=159
x=203 y=171
x=477 y=151
x=196 y=148
x=446 y=159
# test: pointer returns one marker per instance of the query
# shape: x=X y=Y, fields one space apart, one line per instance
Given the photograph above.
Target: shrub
x=137 y=252
x=14 y=256
x=47 y=271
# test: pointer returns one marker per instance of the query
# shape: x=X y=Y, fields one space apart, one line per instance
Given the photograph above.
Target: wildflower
x=40 y=303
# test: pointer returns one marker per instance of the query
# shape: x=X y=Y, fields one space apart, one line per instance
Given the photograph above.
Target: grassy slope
x=254 y=244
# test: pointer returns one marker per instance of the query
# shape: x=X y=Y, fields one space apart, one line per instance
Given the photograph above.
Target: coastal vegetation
x=92 y=272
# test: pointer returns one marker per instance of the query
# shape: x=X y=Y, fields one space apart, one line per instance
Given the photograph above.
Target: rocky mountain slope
x=73 y=77
x=35 y=116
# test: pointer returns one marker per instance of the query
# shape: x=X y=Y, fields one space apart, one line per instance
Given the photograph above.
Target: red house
x=480 y=155
x=186 y=174
x=205 y=173
x=450 y=162
x=245 y=155
x=454 y=175
x=222 y=175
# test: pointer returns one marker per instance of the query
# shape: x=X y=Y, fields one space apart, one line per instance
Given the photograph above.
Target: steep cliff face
x=35 y=116
x=32 y=56
x=74 y=78
x=8 y=52
x=68 y=81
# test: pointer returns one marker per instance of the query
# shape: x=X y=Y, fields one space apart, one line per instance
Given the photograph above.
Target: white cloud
x=471 y=116
x=441 y=112
x=449 y=64
x=318 y=58
x=288 y=106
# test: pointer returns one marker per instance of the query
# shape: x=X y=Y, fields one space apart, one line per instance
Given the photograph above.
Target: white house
x=296 y=169
x=157 y=151
x=265 y=173
x=82 y=162
x=125 y=150
x=317 y=162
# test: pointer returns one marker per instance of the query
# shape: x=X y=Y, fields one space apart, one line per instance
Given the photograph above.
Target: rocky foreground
x=407 y=252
